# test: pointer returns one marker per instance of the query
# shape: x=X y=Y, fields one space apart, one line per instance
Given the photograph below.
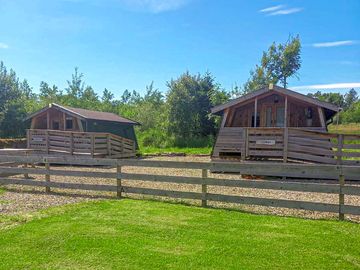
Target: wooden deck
x=287 y=145
x=91 y=144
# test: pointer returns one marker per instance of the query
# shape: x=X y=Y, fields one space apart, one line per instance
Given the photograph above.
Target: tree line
x=179 y=117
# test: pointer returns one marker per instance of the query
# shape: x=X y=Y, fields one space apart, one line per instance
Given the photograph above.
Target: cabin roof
x=86 y=114
x=279 y=90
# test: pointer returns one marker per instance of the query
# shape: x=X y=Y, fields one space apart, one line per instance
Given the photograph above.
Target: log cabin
x=75 y=131
x=275 y=123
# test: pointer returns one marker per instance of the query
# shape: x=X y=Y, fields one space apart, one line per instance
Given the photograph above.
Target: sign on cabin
x=265 y=142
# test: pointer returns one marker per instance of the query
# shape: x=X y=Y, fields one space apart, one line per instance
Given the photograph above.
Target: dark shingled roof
x=87 y=114
x=104 y=116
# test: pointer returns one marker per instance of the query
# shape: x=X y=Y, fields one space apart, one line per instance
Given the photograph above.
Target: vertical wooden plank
x=92 y=145
x=286 y=112
x=255 y=112
x=64 y=120
x=28 y=139
x=71 y=143
x=339 y=149
x=244 y=148
x=81 y=128
x=47 y=176
x=321 y=117
x=225 y=115
x=204 y=187
x=47 y=141
x=32 y=125
x=286 y=143
x=341 y=197
x=47 y=119
x=26 y=175
x=118 y=181
x=108 y=140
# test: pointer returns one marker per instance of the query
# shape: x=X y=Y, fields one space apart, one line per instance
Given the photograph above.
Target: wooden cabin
x=275 y=123
x=64 y=129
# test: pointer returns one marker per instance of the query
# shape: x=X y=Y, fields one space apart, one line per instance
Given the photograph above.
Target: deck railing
x=94 y=144
x=289 y=144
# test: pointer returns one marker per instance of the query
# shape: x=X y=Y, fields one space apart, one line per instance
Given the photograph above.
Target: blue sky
x=126 y=44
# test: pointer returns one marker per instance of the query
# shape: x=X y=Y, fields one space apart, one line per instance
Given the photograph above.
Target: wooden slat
x=309 y=157
x=162 y=192
x=274 y=202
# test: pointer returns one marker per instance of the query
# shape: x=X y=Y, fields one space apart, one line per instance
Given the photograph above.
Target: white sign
x=37 y=139
x=266 y=142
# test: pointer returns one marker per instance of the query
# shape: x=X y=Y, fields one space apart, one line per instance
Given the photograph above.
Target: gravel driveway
x=18 y=200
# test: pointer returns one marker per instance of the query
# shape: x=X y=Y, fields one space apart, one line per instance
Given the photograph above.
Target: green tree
x=278 y=63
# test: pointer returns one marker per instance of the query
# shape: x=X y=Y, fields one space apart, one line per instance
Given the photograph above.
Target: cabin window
x=55 y=125
x=69 y=123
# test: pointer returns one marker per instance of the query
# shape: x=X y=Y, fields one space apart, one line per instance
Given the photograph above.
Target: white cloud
x=270 y=9
x=3 y=46
x=334 y=43
x=155 y=6
x=328 y=86
x=286 y=11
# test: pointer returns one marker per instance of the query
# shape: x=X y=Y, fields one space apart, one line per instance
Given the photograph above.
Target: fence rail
x=94 y=144
x=303 y=172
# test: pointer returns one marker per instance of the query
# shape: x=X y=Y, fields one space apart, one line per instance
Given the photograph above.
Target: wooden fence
x=94 y=144
x=289 y=145
x=340 y=173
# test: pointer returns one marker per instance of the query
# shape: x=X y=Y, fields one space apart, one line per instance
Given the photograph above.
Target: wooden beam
x=47 y=119
x=255 y=112
x=81 y=128
x=225 y=115
x=64 y=120
x=32 y=126
x=286 y=112
x=321 y=117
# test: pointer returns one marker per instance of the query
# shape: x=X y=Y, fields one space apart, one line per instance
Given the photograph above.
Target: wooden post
x=244 y=149
x=71 y=143
x=285 y=112
x=255 y=112
x=286 y=143
x=26 y=175
x=321 y=117
x=108 y=140
x=225 y=115
x=47 y=175
x=118 y=181
x=339 y=149
x=204 y=188
x=47 y=141
x=92 y=145
x=64 y=120
x=28 y=139
x=47 y=120
x=341 y=196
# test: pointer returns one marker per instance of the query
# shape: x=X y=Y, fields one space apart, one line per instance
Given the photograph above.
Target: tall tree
x=278 y=63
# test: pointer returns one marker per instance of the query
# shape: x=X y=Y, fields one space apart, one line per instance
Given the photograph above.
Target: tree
x=189 y=100
x=278 y=63
x=350 y=98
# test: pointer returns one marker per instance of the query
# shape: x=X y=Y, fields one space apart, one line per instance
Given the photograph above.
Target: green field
x=131 y=234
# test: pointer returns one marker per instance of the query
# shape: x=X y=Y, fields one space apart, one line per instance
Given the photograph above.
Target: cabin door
x=274 y=116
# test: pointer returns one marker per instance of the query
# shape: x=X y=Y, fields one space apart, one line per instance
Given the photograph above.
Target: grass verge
x=131 y=234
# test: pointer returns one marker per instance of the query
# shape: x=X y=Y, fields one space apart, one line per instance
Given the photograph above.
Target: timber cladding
x=340 y=173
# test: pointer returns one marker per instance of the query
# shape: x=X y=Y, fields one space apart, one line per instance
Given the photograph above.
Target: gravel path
x=18 y=200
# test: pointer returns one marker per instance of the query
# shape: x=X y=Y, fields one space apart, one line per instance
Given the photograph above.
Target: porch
x=312 y=145
x=90 y=144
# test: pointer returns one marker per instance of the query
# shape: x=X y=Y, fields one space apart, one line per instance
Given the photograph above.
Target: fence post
x=47 y=141
x=286 y=142
x=28 y=139
x=118 y=181
x=108 y=140
x=204 y=188
x=339 y=149
x=341 y=196
x=47 y=175
x=26 y=175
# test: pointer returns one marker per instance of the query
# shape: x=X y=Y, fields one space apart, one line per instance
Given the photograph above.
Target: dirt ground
x=18 y=200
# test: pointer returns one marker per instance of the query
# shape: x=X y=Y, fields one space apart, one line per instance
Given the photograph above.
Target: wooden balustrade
x=94 y=144
x=288 y=144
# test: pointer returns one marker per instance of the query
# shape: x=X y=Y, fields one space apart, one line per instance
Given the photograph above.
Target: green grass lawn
x=186 y=150
x=131 y=234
